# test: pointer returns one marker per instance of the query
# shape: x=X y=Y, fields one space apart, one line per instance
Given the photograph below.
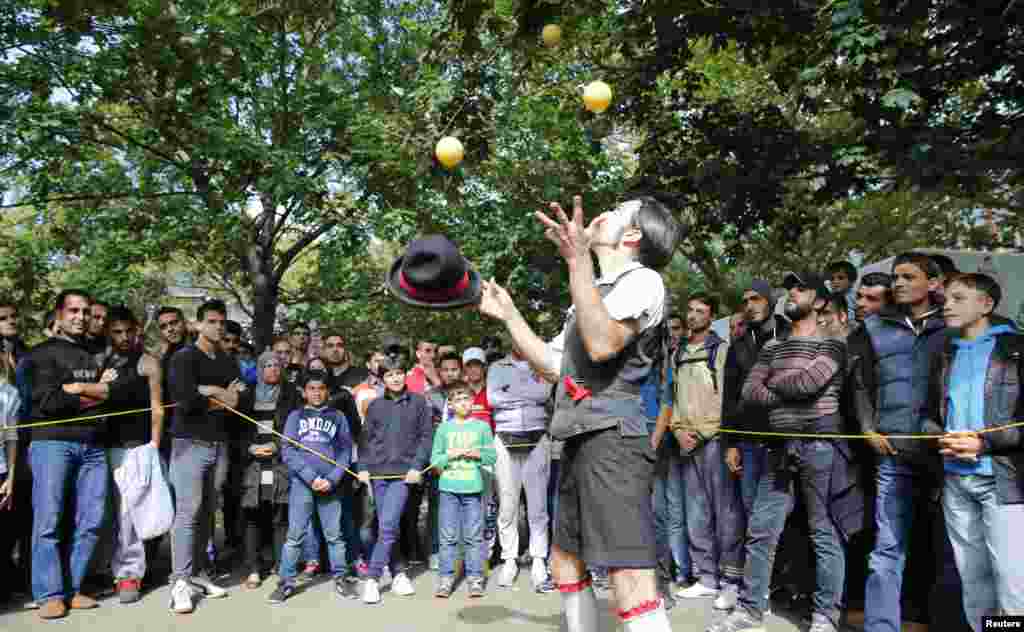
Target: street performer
x=600 y=360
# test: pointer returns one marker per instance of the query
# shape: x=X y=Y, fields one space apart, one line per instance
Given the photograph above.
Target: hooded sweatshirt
x=324 y=430
x=966 y=398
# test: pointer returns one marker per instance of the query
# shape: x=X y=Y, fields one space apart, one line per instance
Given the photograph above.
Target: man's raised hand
x=496 y=302
x=570 y=236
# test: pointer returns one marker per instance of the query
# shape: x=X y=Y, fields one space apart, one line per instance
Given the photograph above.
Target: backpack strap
x=715 y=343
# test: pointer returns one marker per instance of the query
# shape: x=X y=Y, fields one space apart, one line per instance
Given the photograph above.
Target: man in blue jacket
x=975 y=387
x=314 y=483
x=895 y=356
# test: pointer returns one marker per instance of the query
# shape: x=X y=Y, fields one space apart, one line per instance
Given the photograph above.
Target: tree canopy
x=283 y=150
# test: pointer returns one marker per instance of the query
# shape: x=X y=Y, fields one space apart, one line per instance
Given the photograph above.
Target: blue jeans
x=809 y=466
x=985 y=539
x=753 y=453
x=198 y=469
x=63 y=471
x=303 y=502
x=670 y=509
x=390 y=497
x=900 y=487
x=461 y=520
x=716 y=524
x=313 y=542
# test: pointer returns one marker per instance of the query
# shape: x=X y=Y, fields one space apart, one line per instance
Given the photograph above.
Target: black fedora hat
x=433 y=274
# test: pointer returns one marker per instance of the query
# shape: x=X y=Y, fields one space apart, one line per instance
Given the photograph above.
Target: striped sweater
x=799 y=380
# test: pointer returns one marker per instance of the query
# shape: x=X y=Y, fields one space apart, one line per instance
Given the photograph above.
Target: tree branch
x=99 y=196
x=289 y=255
x=99 y=120
x=222 y=282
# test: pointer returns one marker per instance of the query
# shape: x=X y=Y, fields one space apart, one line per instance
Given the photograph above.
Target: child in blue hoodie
x=976 y=388
x=314 y=483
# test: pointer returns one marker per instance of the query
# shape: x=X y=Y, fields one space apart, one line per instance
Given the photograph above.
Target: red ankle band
x=576 y=587
x=645 y=607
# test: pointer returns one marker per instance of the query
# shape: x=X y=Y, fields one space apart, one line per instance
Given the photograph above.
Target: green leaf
x=900 y=98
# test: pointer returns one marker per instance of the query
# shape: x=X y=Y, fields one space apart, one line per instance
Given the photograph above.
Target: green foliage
x=284 y=151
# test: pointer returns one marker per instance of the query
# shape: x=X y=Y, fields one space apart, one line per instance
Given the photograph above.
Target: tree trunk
x=264 y=314
x=265 y=287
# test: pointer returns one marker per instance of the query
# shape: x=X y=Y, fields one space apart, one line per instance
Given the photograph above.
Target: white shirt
x=640 y=298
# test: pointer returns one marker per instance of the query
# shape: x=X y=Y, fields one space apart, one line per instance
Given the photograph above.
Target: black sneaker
x=345 y=589
x=283 y=592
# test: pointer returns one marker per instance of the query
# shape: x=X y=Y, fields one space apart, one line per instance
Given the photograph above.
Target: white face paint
x=615 y=222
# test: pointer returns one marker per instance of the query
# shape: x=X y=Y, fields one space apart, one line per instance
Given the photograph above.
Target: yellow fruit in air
x=449 y=151
x=551 y=35
x=597 y=96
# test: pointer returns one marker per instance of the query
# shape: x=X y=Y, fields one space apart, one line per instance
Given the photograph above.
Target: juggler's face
x=610 y=228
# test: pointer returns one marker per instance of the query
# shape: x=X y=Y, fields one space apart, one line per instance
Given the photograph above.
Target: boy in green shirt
x=461 y=445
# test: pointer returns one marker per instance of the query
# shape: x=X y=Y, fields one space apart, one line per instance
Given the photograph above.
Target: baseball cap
x=809 y=280
x=474 y=354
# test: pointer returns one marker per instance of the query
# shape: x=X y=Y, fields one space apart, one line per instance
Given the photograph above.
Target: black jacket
x=397 y=435
x=341 y=400
x=742 y=356
x=253 y=467
x=57 y=362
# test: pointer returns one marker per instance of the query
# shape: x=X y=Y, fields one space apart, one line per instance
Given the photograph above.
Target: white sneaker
x=212 y=590
x=371 y=591
x=509 y=572
x=181 y=597
x=401 y=585
x=539 y=572
x=726 y=599
x=697 y=591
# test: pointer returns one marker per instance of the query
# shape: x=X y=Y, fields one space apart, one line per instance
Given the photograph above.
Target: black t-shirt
x=292 y=373
x=191 y=368
x=350 y=378
x=129 y=428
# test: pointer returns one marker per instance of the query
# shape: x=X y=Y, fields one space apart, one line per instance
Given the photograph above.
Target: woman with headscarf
x=265 y=480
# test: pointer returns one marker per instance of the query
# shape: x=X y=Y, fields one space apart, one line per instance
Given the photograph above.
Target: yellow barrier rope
x=751 y=433
x=311 y=450
x=832 y=435
x=98 y=417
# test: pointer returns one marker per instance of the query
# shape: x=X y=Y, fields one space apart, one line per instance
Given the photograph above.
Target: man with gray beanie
x=745 y=455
